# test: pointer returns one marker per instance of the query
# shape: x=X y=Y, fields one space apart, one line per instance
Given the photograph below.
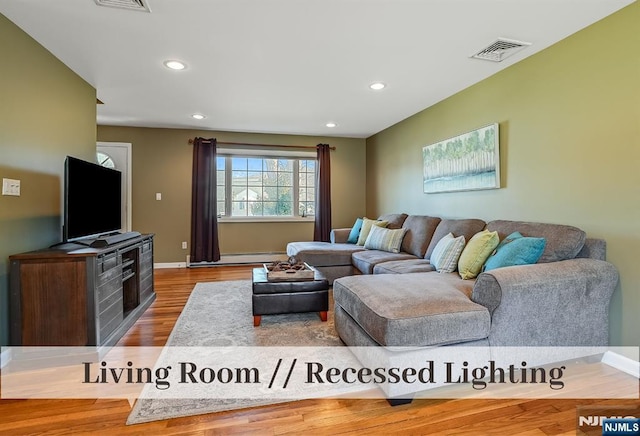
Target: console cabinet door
x=109 y=304
x=54 y=302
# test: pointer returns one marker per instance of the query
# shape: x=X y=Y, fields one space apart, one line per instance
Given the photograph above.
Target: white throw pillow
x=447 y=252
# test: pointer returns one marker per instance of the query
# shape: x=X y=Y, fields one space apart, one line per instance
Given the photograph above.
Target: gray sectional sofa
x=398 y=299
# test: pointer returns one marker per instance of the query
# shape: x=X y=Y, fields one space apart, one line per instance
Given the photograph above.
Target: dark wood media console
x=74 y=295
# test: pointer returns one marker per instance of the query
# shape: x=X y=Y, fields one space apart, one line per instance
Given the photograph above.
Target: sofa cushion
x=322 y=253
x=447 y=252
x=366 y=228
x=563 y=242
x=463 y=227
x=395 y=220
x=384 y=239
x=404 y=266
x=420 y=230
x=431 y=309
x=355 y=232
x=367 y=259
x=476 y=252
x=518 y=251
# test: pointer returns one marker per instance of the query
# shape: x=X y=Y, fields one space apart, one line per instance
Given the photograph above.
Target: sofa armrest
x=340 y=236
x=546 y=304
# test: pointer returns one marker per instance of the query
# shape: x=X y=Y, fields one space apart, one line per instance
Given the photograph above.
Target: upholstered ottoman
x=432 y=309
x=271 y=298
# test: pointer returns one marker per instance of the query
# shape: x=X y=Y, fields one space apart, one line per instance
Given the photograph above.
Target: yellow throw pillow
x=476 y=252
x=366 y=228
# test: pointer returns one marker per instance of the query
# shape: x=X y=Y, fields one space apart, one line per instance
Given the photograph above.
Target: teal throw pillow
x=355 y=232
x=510 y=238
x=516 y=251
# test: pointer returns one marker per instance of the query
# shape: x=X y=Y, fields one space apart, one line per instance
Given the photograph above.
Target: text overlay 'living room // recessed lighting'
x=175 y=65
x=331 y=125
x=377 y=86
x=198 y=116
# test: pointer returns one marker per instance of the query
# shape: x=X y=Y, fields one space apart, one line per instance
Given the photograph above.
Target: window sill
x=265 y=219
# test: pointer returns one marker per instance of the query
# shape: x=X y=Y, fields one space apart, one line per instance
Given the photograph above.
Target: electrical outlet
x=184 y=245
x=11 y=187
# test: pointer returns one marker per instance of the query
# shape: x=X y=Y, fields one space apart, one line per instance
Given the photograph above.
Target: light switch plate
x=11 y=187
x=158 y=196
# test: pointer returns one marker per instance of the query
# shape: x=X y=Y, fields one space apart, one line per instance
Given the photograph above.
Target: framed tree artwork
x=466 y=162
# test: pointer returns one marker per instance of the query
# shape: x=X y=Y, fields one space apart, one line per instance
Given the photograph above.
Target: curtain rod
x=263 y=145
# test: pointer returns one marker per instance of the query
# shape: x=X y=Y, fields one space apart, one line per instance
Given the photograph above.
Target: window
x=105 y=160
x=276 y=186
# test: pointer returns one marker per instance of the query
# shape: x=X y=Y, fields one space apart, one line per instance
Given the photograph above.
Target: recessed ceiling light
x=377 y=86
x=198 y=116
x=175 y=65
x=331 y=125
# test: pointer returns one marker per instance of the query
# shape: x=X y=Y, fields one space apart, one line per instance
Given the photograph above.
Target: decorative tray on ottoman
x=288 y=271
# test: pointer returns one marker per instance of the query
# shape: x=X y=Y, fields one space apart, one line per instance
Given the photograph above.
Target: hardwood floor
x=522 y=417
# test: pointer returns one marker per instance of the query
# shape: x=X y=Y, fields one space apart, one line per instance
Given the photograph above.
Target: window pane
x=239 y=208
x=239 y=178
x=239 y=163
x=285 y=195
x=270 y=164
x=255 y=208
x=255 y=193
x=285 y=179
x=220 y=193
x=221 y=210
x=269 y=208
x=254 y=164
x=311 y=208
x=307 y=208
x=285 y=165
x=220 y=178
x=270 y=178
x=220 y=160
x=255 y=178
x=238 y=193
x=270 y=193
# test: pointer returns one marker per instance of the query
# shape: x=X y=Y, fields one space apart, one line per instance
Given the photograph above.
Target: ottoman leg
x=256 y=320
x=323 y=315
x=393 y=402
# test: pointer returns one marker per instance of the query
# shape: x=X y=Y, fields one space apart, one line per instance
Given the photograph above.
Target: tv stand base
x=105 y=241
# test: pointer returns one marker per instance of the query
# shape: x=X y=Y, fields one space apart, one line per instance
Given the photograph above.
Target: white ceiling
x=289 y=66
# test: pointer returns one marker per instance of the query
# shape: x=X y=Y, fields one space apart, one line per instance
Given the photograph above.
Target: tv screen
x=92 y=200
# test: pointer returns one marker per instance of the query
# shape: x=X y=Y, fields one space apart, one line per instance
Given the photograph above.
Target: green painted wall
x=569 y=142
x=47 y=112
x=162 y=161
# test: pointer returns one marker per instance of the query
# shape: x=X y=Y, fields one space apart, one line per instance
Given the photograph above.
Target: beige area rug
x=219 y=314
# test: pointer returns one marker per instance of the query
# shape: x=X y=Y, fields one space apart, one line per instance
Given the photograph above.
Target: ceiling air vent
x=501 y=49
x=133 y=5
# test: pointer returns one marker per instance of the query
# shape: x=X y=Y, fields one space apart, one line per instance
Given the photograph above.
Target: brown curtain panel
x=204 y=213
x=322 y=228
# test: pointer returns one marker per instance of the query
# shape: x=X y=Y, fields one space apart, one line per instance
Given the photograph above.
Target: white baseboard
x=242 y=259
x=5 y=358
x=170 y=265
x=227 y=259
x=622 y=363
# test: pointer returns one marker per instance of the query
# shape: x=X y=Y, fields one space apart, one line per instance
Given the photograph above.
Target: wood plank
x=523 y=417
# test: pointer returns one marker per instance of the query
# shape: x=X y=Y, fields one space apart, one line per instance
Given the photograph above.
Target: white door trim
x=126 y=145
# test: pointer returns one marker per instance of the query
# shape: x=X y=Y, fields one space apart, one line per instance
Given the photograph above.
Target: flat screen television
x=92 y=200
